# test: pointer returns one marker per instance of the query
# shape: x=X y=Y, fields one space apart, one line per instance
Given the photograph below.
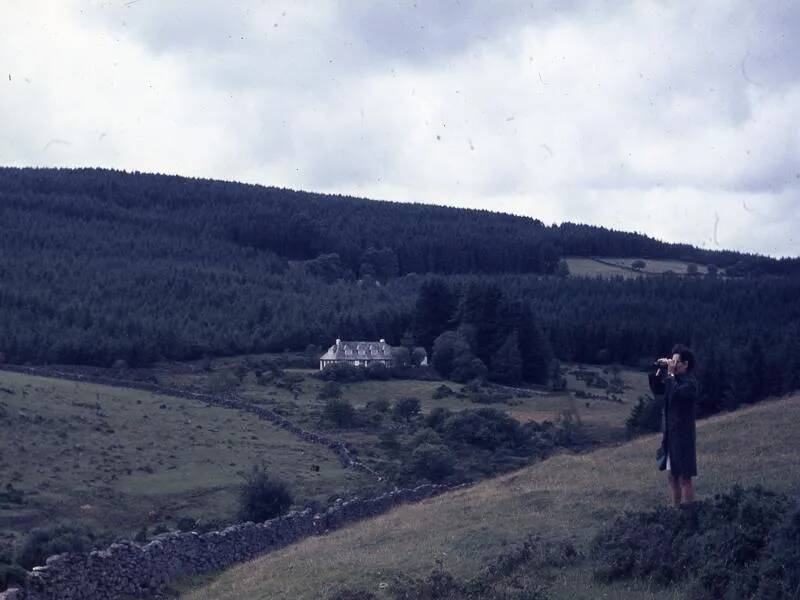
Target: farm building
x=361 y=354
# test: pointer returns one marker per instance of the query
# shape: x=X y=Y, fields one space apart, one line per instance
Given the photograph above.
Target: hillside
x=102 y=266
x=568 y=497
x=120 y=459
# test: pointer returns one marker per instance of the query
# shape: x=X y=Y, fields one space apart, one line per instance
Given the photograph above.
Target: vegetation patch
x=741 y=544
x=518 y=574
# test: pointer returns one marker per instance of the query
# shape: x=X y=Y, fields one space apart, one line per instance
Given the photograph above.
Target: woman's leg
x=686 y=490
x=674 y=488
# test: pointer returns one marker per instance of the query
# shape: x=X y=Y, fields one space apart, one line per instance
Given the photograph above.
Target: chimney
x=338 y=342
x=383 y=341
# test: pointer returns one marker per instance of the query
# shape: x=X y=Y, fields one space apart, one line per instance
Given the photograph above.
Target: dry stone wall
x=129 y=569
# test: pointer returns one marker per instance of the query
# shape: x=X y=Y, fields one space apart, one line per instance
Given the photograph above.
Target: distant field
x=567 y=497
x=590 y=267
x=121 y=458
x=603 y=419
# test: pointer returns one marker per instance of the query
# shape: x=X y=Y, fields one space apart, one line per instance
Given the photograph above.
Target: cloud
x=634 y=115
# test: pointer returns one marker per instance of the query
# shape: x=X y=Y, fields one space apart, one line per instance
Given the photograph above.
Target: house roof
x=358 y=351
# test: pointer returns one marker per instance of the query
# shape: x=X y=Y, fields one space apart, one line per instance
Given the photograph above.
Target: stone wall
x=140 y=570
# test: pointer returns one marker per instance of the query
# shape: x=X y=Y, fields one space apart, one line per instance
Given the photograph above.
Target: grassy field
x=567 y=497
x=121 y=458
x=580 y=266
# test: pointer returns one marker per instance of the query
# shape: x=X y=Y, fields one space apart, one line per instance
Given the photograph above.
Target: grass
x=121 y=458
x=567 y=497
x=580 y=266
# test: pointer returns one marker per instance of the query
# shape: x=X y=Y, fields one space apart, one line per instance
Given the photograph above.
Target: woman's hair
x=686 y=355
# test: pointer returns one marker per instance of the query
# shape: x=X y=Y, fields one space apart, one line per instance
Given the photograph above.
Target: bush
x=343 y=372
x=720 y=542
x=378 y=371
x=42 y=542
x=330 y=389
x=262 y=498
x=443 y=391
x=12 y=576
x=339 y=412
x=779 y=570
x=426 y=435
x=487 y=428
x=645 y=417
x=435 y=419
x=433 y=462
x=405 y=408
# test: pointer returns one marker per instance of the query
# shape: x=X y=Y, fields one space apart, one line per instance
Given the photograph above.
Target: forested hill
x=98 y=266
x=385 y=239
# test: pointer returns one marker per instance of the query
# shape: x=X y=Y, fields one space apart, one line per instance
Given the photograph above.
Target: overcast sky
x=676 y=119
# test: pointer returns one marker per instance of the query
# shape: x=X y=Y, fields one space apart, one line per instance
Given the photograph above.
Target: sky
x=676 y=119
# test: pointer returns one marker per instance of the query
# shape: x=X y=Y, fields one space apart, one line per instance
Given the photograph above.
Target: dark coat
x=680 y=401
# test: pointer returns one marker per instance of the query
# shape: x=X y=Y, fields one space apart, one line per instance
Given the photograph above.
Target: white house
x=358 y=354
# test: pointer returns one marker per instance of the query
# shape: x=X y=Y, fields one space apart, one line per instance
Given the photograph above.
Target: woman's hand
x=671 y=362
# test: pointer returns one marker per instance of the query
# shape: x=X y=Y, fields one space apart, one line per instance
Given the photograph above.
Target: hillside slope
x=568 y=497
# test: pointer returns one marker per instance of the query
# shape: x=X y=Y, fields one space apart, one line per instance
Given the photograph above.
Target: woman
x=680 y=390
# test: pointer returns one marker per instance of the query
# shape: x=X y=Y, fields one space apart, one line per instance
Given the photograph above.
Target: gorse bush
x=56 y=539
x=743 y=544
x=261 y=497
x=433 y=461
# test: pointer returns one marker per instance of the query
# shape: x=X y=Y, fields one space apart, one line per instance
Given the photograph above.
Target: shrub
x=262 y=498
x=645 y=417
x=719 y=541
x=443 y=391
x=405 y=408
x=42 y=542
x=12 y=575
x=486 y=428
x=779 y=570
x=433 y=462
x=12 y=495
x=343 y=372
x=378 y=371
x=638 y=264
x=330 y=389
x=426 y=435
x=339 y=412
x=435 y=419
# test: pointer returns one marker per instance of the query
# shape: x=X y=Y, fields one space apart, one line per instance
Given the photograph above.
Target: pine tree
x=434 y=309
x=506 y=366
